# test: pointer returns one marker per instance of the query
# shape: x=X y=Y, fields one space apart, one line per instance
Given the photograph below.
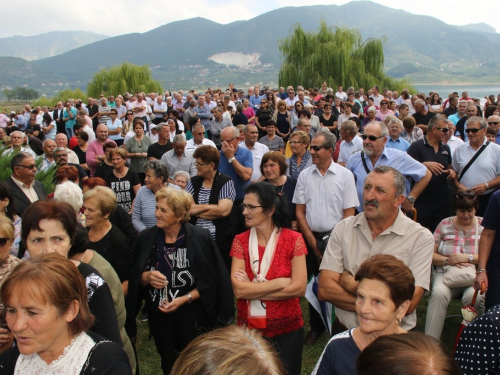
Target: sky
x=117 y=17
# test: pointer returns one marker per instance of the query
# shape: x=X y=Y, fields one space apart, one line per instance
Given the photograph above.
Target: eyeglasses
x=130 y=114
x=461 y=196
x=3 y=241
x=196 y=164
x=472 y=130
x=201 y=133
x=248 y=206
x=493 y=123
x=229 y=140
x=317 y=148
x=27 y=166
x=444 y=130
x=370 y=137
x=291 y=92
x=384 y=103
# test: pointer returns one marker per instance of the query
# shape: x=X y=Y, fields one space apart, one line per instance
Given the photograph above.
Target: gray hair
x=159 y=169
x=330 y=139
x=246 y=129
x=161 y=125
x=420 y=102
x=397 y=122
x=219 y=108
x=71 y=193
x=179 y=138
x=59 y=149
x=383 y=128
x=399 y=179
x=350 y=127
x=482 y=122
x=436 y=119
x=200 y=125
x=183 y=174
x=46 y=140
x=372 y=108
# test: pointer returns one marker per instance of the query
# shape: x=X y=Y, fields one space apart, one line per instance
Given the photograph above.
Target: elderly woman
x=372 y=116
x=50 y=228
x=122 y=180
x=181 y=179
x=248 y=111
x=137 y=148
x=301 y=157
x=106 y=165
x=386 y=286
x=7 y=264
x=213 y=196
x=8 y=208
x=189 y=290
x=269 y=267
x=143 y=214
x=273 y=167
x=105 y=238
x=455 y=251
x=47 y=310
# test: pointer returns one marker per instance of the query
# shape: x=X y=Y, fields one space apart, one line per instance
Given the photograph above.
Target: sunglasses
x=384 y=103
x=370 y=137
x=461 y=196
x=27 y=166
x=493 y=123
x=473 y=130
x=3 y=241
x=444 y=130
x=200 y=133
x=317 y=148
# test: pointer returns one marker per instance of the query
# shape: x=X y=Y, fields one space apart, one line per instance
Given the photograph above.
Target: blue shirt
x=245 y=158
x=254 y=101
x=400 y=144
x=204 y=114
x=391 y=157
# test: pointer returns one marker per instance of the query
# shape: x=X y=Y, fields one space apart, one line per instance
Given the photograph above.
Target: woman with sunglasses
x=298 y=107
x=328 y=119
x=263 y=115
x=115 y=127
x=456 y=245
x=384 y=110
x=269 y=273
x=127 y=127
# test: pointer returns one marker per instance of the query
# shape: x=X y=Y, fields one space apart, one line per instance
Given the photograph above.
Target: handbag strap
x=475 y=234
x=471 y=161
x=364 y=162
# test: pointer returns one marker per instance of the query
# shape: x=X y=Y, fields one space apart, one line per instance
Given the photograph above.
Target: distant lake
x=474 y=90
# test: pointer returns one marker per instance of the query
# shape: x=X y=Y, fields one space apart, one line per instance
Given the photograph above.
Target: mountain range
x=179 y=55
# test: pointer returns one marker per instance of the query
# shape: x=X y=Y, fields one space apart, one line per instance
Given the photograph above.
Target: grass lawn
x=149 y=361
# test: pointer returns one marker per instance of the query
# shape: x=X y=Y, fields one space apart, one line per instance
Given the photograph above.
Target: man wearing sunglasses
x=493 y=123
x=482 y=175
x=22 y=182
x=432 y=205
x=376 y=153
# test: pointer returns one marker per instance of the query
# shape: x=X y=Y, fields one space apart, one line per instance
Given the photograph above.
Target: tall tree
x=337 y=56
x=119 y=79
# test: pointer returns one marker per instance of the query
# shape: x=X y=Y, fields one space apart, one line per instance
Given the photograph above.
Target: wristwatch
x=471 y=258
x=411 y=199
x=446 y=261
x=190 y=299
x=230 y=160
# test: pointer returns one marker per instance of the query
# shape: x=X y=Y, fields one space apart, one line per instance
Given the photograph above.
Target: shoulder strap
x=471 y=161
x=364 y=162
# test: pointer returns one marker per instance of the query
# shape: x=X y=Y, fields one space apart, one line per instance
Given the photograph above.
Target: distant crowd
x=172 y=205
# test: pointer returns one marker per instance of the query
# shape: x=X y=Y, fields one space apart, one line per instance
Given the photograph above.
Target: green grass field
x=149 y=361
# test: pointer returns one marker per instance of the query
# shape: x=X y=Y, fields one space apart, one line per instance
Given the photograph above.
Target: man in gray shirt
x=218 y=124
x=177 y=159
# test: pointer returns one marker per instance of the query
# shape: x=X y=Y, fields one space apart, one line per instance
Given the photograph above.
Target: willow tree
x=337 y=56
x=123 y=78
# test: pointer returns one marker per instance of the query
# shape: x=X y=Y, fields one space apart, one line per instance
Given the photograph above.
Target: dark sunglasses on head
x=444 y=130
x=3 y=241
x=473 y=130
x=317 y=148
x=471 y=196
x=371 y=137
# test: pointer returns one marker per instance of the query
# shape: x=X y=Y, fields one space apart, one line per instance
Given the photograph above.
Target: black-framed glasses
x=250 y=207
x=196 y=164
x=130 y=114
x=493 y=123
x=470 y=196
x=31 y=166
x=229 y=140
x=472 y=130
x=317 y=148
x=3 y=241
x=444 y=130
x=372 y=138
x=384 y=103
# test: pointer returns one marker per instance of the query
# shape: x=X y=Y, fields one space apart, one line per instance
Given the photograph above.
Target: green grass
x=149 y=361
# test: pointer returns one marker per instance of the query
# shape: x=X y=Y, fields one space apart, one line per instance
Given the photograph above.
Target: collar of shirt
x=331 y=168
x=21 y=184
x=398 y=226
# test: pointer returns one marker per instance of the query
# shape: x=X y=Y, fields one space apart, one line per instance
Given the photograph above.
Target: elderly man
x=376 y=153
x=61 y=159
x=25 y=189
x=178 y=159
x=104 y=111
x=432 y=205
x=395 y=141
x=198 y=139
x=203 y=112
x=16 y=142
x=95 y=152
x=421 y=115
x=58 y=115
x=256 y=148
x=477 y=163
x=450 y=139
x=48 y=146
x=381 y=228
x=494 y=123
x=157 y=149
x=218 y=124
x=188 y=113
x=351 y=143
x=324 y=195
x=62 y=141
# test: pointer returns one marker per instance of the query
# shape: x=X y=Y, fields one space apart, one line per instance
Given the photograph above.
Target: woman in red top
x=269 y=273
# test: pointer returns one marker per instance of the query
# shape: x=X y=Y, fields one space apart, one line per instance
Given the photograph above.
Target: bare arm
x=300 y=214
x=330 y=290
x=217 y=211
x=485 y=244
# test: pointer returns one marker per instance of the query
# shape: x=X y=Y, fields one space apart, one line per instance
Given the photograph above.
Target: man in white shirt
x=198 y=139
x=257 y=149
x=62 y=141
x=377 y=97
x=341 y=94
x=291 y=100
x=350 y=141
x=450 y=139
x=16 y=141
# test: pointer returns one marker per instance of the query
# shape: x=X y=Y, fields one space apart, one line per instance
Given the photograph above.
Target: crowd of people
x=181 y=209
